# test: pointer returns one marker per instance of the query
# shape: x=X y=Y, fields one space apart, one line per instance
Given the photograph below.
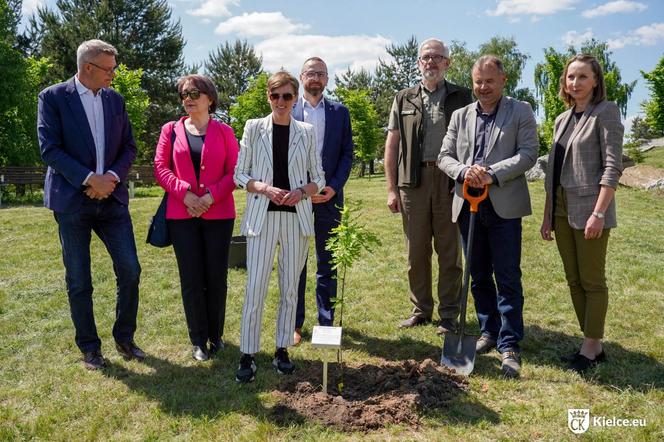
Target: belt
x=429 y=164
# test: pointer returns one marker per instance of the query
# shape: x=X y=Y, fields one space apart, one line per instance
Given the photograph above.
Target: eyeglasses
x=110 y=71
x=194 y=94
x=435 y=58
x=287 y=96
x=310 y=75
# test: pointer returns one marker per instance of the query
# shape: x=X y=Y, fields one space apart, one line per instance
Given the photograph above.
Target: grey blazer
x=511 y=151
x=593 y=158
x=255 y=163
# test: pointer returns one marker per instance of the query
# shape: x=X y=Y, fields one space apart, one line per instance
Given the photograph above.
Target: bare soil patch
x=373 y=395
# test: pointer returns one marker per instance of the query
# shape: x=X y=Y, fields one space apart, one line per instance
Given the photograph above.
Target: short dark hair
x=599 y=92
x=203 y=84
x=282 y=78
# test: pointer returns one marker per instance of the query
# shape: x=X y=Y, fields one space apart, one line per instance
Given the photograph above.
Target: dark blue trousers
x=110 y=220
x=326 y=217
x=496 y=254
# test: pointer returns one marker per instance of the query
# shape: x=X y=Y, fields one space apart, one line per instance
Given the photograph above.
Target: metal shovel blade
x=459 y=353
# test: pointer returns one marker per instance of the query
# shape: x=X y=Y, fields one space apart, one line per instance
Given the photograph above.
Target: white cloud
x=259 y=24
x=30 y=6
x=573 y=38
x=339 y=52
x=614 y=7
x=648 y=35
x=213 y=8
x=531 y=7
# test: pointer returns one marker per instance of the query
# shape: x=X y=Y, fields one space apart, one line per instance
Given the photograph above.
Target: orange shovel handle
x=474 y=200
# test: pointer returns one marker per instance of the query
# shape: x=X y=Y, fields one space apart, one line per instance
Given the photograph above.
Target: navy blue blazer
x=67 y=146
x=337 y=155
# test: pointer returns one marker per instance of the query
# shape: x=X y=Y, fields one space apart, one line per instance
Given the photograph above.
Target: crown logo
x=578 y=420
x=578 y=414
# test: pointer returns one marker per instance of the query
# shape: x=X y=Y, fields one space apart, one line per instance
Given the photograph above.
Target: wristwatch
x=599 y=215
x=304 y=194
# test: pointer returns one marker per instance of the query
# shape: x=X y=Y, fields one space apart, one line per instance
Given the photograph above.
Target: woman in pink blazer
x=197 y=172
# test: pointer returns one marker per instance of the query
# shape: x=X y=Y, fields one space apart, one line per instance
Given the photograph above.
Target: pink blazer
x=218 y=159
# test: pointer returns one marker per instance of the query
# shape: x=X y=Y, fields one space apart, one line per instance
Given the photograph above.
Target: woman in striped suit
x=279 y=167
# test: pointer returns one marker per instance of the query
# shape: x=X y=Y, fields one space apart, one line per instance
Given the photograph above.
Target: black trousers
x=201 y=248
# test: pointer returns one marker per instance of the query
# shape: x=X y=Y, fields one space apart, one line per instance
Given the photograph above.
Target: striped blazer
x=593 y=158
x=255 y=163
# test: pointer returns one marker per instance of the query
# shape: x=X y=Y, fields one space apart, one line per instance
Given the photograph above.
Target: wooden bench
x=141 y=174
x=21 y=176
x=34 y=175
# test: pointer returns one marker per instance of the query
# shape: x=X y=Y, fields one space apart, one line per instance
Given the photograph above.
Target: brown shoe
x=484 y=344
x=93 y=360
x=414 y=321
x=511 y=365
x=297 y=336
x=447 y=325
x=129 y=350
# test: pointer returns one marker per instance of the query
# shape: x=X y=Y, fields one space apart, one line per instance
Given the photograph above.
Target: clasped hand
x=100 y=187
x=282 y=197
x=477 y=176
x=197 y=206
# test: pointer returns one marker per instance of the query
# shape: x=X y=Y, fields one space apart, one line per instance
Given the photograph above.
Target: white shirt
x=94 y=111
x=316 y=117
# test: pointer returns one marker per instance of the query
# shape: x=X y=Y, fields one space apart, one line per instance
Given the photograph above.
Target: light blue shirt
x=316 y=117
x=94 y=111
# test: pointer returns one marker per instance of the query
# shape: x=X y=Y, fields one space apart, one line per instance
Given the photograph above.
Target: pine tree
x=231 y=67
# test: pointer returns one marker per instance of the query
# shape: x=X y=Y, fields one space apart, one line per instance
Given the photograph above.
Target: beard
x=314 y=89
x=433 y=75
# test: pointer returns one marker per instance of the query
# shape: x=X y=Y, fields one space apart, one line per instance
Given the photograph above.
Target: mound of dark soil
x=372 y=397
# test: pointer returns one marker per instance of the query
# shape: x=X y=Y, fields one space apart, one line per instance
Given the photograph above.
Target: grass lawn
x=45 y=394
x=654 y=157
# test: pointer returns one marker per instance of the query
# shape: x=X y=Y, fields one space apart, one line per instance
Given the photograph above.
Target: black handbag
x=158 y=231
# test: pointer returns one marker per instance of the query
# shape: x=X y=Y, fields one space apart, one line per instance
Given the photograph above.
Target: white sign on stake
x=326 y=337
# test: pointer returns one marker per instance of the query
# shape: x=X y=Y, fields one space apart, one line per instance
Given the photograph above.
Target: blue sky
x=355 y=32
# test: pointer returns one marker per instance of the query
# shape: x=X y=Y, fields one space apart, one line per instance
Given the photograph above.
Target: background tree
x=128 y=84
x=231 y=67
x=654 y=108
x=251 y=104
x=20 y=80
x=514 y=61
x=144 y=34
x=547 y=77
x=367 y=135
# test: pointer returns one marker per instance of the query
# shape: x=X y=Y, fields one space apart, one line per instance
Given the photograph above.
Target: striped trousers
x=281 y=228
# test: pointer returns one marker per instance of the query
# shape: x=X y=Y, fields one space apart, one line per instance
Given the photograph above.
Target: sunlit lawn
x=45 y=394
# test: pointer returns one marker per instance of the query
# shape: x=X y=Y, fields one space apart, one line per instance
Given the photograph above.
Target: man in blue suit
x=334 y=142
x=85 y=138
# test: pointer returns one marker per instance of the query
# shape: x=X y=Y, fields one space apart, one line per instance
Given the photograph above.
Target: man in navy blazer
x=85 y=138
x=334 y=142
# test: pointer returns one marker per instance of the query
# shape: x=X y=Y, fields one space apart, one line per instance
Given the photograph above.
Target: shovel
x=459 y=348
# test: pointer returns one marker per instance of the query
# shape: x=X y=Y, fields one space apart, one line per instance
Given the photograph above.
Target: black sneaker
x=247 y=370
x=281 y=362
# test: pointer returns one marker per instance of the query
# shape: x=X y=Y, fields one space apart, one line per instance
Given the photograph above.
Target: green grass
x=654 y=157
x=45 y=394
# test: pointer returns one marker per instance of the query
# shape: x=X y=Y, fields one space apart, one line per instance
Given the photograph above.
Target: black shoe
x=247 y=370
x=93 y=360
x=447 y=325
x=129 y=350
x=199 y=353
x=569 y=358
x=281 y=361
x=511 y=365
x=581 y=364
x=484 y=344
x=216 y=347
x=414 y=321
